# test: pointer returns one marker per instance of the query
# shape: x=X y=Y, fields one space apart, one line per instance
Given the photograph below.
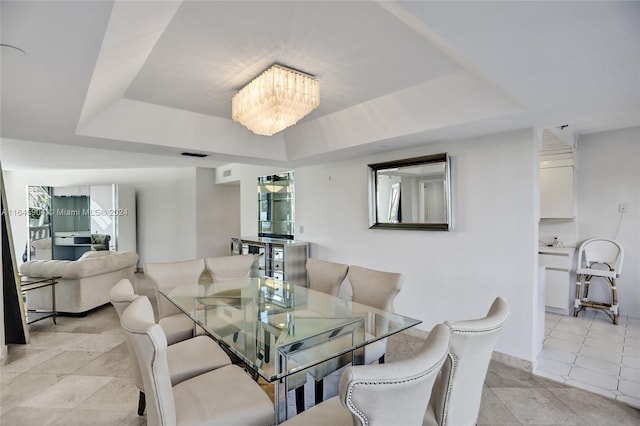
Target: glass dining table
x=278 y=329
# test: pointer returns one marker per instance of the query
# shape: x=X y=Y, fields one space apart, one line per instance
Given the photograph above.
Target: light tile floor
x=590 y=352
x=78 y=373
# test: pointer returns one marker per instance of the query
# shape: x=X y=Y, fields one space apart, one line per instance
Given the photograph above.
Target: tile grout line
x=588 y=332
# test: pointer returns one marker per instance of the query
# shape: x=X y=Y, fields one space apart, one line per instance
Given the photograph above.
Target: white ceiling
x=121 y=84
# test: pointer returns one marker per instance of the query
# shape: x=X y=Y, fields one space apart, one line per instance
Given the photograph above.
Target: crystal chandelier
x=274 y=100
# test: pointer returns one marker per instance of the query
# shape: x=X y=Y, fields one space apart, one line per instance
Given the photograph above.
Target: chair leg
x=267 y=346
x=319 y=389
x=587 y=281
x=614 y=301
x=300 y=399
x=142 y=402
x=577 y=302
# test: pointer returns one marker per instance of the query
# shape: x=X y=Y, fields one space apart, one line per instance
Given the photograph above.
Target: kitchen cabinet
x=559 y=278
x=557 y=193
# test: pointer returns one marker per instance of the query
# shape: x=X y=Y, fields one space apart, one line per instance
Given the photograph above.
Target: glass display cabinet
x=276 y=206
x=278 y=255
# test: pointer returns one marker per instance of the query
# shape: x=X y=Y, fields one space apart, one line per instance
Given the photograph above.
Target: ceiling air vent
x=193 y=154
x=226 y=173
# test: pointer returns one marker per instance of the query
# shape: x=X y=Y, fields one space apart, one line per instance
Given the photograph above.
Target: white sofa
x=85 y=282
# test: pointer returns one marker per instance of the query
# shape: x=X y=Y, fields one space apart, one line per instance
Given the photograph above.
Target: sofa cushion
x=84 y=267
x=44 y=268
x=90 y=254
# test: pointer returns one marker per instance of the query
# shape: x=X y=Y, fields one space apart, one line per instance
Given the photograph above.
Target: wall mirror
x=413 y=193
x=67 y=221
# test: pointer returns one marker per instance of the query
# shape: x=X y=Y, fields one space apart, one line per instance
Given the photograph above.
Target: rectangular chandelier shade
x=274 y=100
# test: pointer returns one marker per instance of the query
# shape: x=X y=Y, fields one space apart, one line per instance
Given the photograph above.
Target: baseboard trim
x=500 y=357
x=512 y=361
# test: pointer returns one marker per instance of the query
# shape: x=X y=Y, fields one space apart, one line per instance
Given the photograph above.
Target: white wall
x=491 y=252
x=217 y=214
x=609 y=174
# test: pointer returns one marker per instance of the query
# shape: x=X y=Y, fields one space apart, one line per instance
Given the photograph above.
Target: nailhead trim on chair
x=153 y=364
x=155 y=381
x=445 y=410
x=484 y=330
x=389 y=382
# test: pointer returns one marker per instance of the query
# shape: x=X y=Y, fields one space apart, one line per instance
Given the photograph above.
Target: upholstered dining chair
x=457 y=392
x=166 y=276
x=186 y=359
x=395 y=393
x=378 y=289
x=224 y=396
x=225 y=268
x=326 y=277
x=372 y=288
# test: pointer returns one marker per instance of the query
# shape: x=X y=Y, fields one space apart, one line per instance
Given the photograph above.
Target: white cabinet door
x=556 y=192
x=557 y=290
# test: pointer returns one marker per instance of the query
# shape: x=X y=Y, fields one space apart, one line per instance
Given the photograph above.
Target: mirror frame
x=407 y=162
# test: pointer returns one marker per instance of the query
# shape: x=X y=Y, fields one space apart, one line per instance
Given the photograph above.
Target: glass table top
x=278 y=328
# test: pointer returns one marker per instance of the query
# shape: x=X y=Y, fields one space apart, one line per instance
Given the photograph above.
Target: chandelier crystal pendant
x=276 y=99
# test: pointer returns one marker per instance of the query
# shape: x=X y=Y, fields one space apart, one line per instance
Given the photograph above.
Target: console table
x=278 y=258
x=27 y=285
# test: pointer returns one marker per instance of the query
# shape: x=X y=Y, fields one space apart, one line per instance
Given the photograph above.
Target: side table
x=27 y=285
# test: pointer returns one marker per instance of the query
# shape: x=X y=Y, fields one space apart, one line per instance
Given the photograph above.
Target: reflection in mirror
x=413 y=193
x=39 y=245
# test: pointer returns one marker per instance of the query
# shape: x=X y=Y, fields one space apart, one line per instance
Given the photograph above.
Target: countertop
x=556 y=250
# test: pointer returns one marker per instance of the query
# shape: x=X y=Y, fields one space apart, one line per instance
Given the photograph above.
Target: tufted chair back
x=395 y=393
x=458 y=390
